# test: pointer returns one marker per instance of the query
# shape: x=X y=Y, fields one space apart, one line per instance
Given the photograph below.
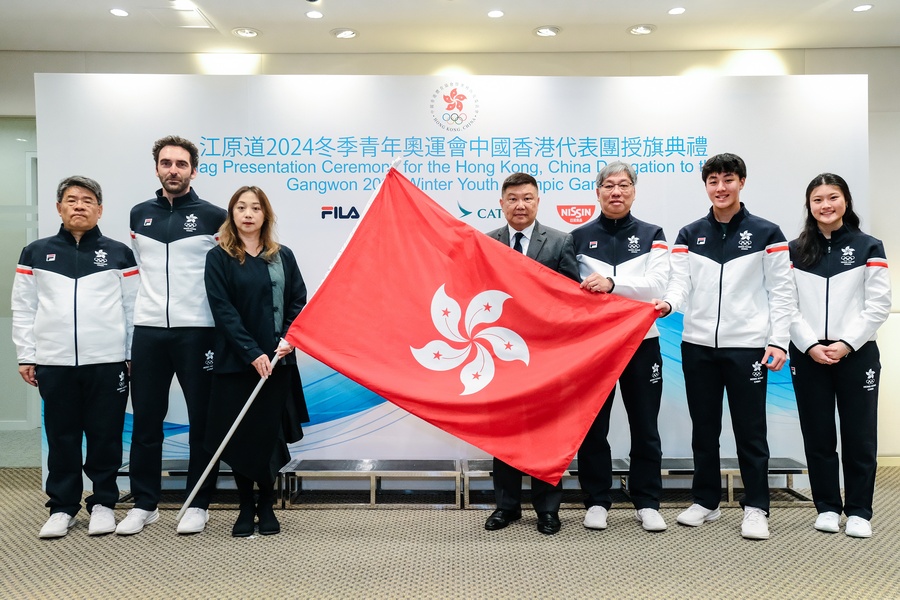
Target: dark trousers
x=708 y=373
x=90 y=401
x=508 y=490
x=157 y=355
x=851 y=384
x=641 y=387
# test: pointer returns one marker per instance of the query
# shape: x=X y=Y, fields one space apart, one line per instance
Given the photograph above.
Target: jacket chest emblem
x=634 y=244
x=190 y=223
x=745 y=243
x=100 y=258
x=847 y=257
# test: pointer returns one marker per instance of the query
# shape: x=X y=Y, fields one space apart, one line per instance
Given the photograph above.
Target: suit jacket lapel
x=538 y=237
x=503 y=235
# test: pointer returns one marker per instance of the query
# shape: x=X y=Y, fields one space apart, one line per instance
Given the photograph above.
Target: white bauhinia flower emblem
x=485 y=307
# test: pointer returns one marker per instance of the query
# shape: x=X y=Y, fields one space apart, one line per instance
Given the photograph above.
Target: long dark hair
x=810 y=250
x=228 y=235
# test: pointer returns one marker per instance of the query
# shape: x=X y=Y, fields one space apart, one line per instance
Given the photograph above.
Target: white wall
x=882 y=65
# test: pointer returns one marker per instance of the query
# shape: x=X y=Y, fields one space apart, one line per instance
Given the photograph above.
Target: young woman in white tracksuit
x=844 y=295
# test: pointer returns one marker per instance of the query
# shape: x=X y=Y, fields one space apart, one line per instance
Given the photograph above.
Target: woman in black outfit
x=844 y=295
x=255 y=291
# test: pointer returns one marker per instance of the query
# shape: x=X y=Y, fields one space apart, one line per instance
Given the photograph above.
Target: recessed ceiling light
x=546 y=31
x=245 y=32
x=645 y=29
x=118 y=12
x=21 y=140
x=314 y=14
x=495 y=14
x=677 y=11
x=343 y=33
x=862 y=8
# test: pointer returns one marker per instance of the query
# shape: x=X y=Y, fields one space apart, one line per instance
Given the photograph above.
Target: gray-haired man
x=72 y=302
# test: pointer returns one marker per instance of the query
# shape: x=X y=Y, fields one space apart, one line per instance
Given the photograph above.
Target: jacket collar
x=178 y=202
x=613 y=225
x=735 y=220
x=91 y=235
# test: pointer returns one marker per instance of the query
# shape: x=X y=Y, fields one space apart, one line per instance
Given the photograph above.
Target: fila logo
x=337 y=212
x=148 y=222
x=701 y=241
x=51 y=257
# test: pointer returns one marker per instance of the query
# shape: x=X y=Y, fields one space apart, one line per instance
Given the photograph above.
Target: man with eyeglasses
x=72 y=304
x=519 y=202
x=619 y=254
x=731 y=271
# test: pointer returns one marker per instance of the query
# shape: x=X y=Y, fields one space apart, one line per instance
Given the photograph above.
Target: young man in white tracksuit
x=731 y=272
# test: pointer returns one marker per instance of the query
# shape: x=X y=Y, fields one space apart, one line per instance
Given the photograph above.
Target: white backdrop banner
x=320 y=145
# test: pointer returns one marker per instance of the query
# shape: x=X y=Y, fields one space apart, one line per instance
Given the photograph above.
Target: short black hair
x=724 y=163
x=517 y=179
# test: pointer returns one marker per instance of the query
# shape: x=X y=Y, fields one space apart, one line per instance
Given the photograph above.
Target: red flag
x=468 y=334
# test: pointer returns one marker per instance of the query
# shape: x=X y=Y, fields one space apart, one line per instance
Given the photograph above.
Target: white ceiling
x=425 y=26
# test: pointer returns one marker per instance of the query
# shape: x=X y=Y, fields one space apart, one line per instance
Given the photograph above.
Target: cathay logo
x=477 y=343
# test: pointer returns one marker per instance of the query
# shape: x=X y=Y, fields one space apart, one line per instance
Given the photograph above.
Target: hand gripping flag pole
x=227 y=438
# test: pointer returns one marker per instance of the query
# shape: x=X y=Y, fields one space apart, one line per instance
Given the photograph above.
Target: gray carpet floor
x=341 y=553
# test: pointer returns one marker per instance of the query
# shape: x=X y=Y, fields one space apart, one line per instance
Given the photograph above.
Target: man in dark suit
x=554 y=249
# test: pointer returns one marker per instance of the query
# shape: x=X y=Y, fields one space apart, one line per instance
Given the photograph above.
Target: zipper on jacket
x=616 y=249
x=721 y=276
x=75 y=300
x=168 y=241
x=827 y=283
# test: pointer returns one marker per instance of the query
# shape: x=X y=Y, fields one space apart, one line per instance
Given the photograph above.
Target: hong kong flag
x=468 y=334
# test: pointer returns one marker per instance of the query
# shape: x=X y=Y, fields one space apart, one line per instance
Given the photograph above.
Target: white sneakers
x=857 y=527
x=103 y=520
x=193 y=521
x=829 y=522
x=697 y=515
x=755 y=525
x=135 y=520
x=650 y=519
x=596 y=518
x=57 y=525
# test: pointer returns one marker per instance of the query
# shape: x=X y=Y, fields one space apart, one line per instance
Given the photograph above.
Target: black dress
x=242 y=304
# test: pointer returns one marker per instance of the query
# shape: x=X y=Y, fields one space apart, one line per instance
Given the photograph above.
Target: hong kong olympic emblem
x=454 y=106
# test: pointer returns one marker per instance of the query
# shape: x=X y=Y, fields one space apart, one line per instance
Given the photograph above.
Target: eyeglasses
x=623 y=187
x=75 y=201
x=513 y=201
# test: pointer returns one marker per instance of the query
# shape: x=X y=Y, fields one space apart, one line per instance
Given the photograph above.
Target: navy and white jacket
x=170 y=242
x=633 y=253
x=72 y=302
x=846 y=296
x=736 y=285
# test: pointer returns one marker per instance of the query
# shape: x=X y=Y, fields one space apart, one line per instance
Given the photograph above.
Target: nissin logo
x=575 y=213
x=337 y=212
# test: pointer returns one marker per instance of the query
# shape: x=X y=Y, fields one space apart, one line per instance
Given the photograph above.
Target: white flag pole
x=225 y=441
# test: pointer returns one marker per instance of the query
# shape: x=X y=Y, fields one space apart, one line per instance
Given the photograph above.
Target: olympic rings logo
x=455 y=118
